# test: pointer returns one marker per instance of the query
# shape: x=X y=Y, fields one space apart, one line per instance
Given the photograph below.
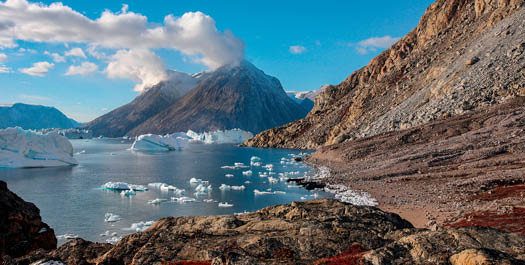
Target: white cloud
x=3 y=57
x=194 y=33
x=57 y=58
x=84 y=68
x=372 y=44
x=33 y=97
x=4 y=69
x=38 y=69
x=76 y=52
x=24 y=50
x=296 y=49
x=140 y=65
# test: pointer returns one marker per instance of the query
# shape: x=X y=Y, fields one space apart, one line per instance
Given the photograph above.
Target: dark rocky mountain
x=234 y=96
x=21 y=227
x=34 y=117
x=463 y=55
x=152 y=101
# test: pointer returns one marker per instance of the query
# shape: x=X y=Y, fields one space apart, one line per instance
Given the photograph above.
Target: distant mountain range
x=305 y=98
x=233 y=96
x=34 y=117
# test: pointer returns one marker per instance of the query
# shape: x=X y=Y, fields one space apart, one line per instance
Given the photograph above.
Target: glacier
x=233 y=136
x=23 y=148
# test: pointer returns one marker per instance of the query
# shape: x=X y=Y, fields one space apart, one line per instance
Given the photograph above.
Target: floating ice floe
x=67 y=236
x=119 y=186
x=345 y=194
x=113 y=240
x=273 y=180
x=229 y=175
x=203 y=188
x=255 y=164
x=225 y=204
x=24 y=148
x=233 y=136
x=247 y=182
x=258 y=192
x=153 y=142
x=263 y=174
x=128 y=193
x=139 y=227
x=209 y=200
x=225 y=187
x=196 y=181
x=107 y=233
x=81 y=152
x=157 y=201
x=182 y=199
x=166 y=188
x=247 y=173
x=111 y=217
x=244 y=212
x=255 y=158
x=268 y=167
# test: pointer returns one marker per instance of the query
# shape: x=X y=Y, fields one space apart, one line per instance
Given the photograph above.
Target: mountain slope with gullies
x=153 y=100
x=464 y=55
x=233 y=96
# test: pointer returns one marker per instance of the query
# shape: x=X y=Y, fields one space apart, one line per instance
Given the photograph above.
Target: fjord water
x=71 y=200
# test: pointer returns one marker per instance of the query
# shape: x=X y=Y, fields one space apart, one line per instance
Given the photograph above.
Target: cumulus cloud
x=372 y=44
x=140 y=65
x=194 y=33
x=296 y=49
x=84 y=68
x=76 y=52
x=57 y=58
x=38 y=69
x=3 y=57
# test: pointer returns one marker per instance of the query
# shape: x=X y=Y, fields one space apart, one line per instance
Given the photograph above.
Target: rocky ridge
x=321 y=231
x=463 y=55
x=21 y=228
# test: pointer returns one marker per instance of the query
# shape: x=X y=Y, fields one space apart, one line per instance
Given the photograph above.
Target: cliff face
x=463 y=55
x=21 y=227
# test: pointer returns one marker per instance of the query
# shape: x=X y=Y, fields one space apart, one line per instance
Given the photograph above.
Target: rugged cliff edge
x=463 y=55
x=21 y=227
x=322 y=231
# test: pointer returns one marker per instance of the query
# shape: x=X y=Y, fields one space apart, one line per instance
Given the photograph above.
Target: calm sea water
x=71 y=200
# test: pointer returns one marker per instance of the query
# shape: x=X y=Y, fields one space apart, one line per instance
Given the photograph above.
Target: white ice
x=247 y=173
x=111 y=217
x=229 y=175
x=67 y=236
x=258 y=192
x=273 y=180
x=48 y=262
x=196 y=181
x=114 y=240
x=182 y=199
x=123 y=186
x=225 y=187
x=225 y=204
x=157 y=201
x=153 y=142
x=23 y=148
x=139 y=227
x=233 y=136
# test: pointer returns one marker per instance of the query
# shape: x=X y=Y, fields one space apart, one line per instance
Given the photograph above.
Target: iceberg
x=153 y=142
x=233 y=136
x=247 y=173
x=114 y=240
x=157 y=201
x=166 y=188
x=111 y=217
x=138 y=227
x=67 y=236
x=225 y=187
x=225 y=204
x=258 y=192
x=23 y=148
x=182 y=199
x=273 y=180
x=120 y=186
x=229 y=175
x=203 y=188
x=196 y=181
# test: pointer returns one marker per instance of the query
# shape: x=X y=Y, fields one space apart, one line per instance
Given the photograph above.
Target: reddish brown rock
x=21 y=227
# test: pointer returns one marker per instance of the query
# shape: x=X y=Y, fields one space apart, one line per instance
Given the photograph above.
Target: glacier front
x=233 y=136
x=24 y=148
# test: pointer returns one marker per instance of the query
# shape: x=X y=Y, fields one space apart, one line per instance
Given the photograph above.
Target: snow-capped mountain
x=233 y=96
x=34 y=117
x=153 y=100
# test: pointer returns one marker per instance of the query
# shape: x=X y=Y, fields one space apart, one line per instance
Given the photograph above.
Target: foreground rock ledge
x=322 y=231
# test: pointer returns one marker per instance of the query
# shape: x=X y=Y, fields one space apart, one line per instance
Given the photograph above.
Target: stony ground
x=471 y=166
x=322 y=231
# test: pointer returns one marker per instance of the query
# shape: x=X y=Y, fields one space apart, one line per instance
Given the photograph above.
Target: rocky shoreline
x=321 y=231
x=464 y=170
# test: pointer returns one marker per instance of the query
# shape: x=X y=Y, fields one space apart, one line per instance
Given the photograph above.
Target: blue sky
x=303 y=43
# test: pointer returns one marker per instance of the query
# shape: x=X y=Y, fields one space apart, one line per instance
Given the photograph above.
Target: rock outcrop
x=322 y=231
x=21 y=227
x=463 y=55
